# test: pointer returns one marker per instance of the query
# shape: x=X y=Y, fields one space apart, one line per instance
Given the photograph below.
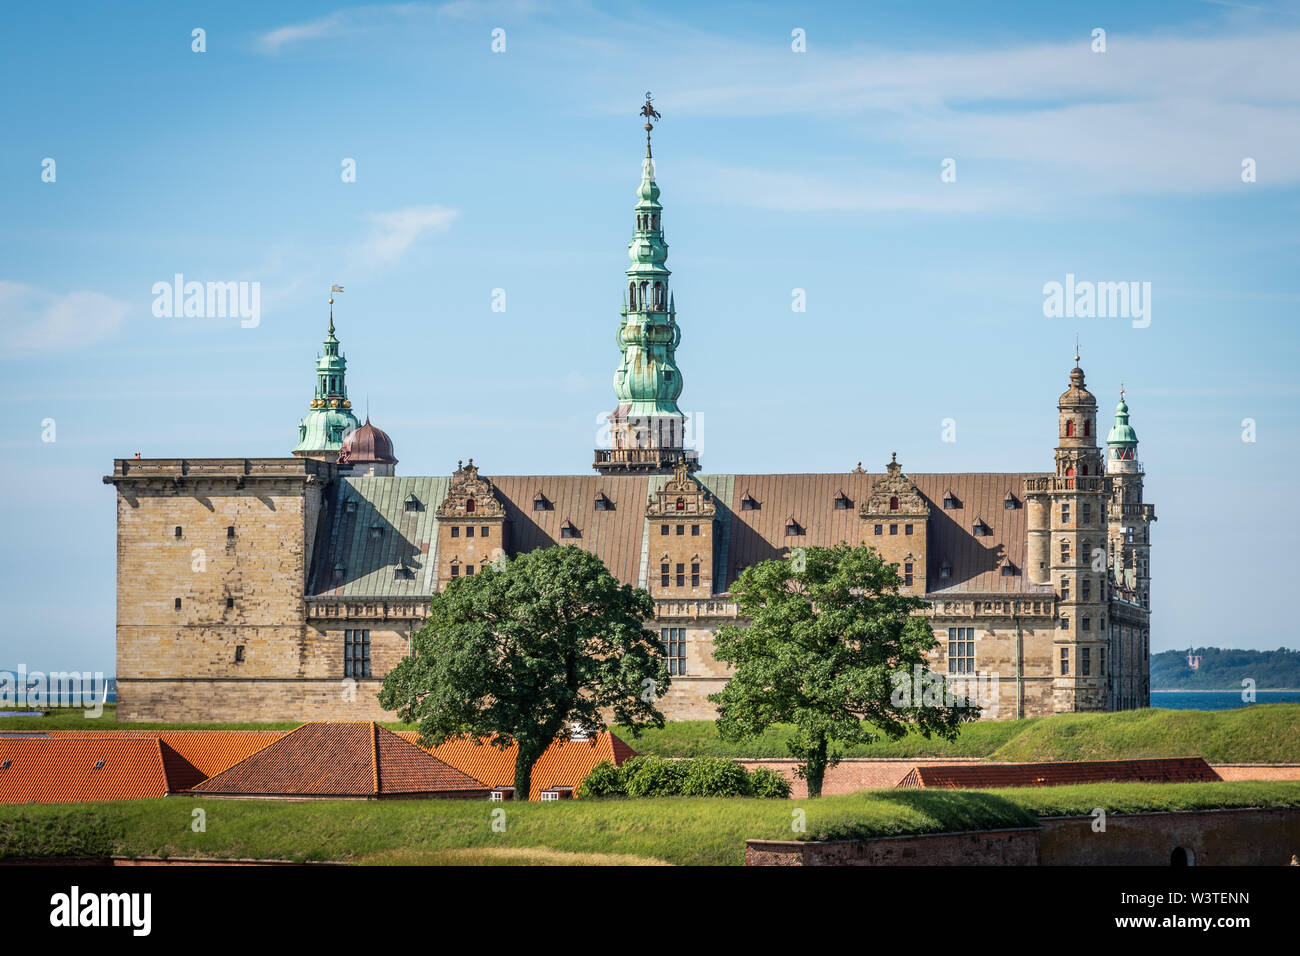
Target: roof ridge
x=374 y=752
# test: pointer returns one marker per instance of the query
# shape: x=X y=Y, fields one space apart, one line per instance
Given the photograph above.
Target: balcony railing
x=645 y=458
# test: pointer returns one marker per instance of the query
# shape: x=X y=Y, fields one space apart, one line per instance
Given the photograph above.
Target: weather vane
x=650 y=113
x=333 y=289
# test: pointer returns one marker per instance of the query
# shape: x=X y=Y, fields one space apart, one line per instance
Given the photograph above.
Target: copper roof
x=981 y=776
x=366 y=445
x=345 y=760
x=564 y=764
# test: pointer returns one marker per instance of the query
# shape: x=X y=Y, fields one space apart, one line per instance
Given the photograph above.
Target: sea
x=1218 y=699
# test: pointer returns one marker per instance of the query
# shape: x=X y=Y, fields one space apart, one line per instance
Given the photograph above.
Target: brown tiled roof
x=564 y=764
x=759 y=534
x=342 y=759
x=54 y=770
x=190 y=756
x=983 y=776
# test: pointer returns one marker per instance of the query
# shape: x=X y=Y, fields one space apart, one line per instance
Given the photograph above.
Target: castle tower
x=1129 y=518
x=647 y=429
x=1067 y=537
x=321 y=433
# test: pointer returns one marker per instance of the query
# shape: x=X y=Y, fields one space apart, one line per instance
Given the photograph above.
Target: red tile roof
x=982 y=776
x=50 y=770
x=346 y=760
x=564 y=764
x=191 y=756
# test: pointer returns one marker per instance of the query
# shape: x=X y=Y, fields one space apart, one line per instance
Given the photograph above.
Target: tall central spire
x=330 y=419
x=647 y=429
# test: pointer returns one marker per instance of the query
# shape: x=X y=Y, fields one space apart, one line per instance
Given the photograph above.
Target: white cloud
x=337 y=24
x=32 y=320
x=392 y=233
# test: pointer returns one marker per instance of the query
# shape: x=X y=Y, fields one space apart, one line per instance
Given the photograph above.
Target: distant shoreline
x=1225 y=690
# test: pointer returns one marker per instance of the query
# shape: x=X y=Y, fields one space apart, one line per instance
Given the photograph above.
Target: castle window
x=403 y=573
x=1087 y=427
x=469 y=531
x=673 y=642
x=1086 y=588
x=339 y=571
x=455 y=531
x=907 y=574
x=664 y=575
x=842 y=503
x=663 y=529
x=949 y=502
x=568 y=530
x=893 y=529
x=1085 y=513
x=230 y=602
x=893 y=503
x=177 y=605
x=1065 y=623
x=603 y=503
x=469 y=569
x=681 y=504
x=469 y=506
x=1085 y=658
x=1065 y=589
x=540 y=503
x=1085 y=552
x=1065 y=552
x=483 y=532
x=695 y=574
x=1065 y=659
x=356 y=653
x=1065 y=512
x=455 y=570
x=1087 y=624
x=1010 y=503
x=961 y=650
x=945 y=570
x=793 y=528
x=350 y=505
x=411 y=503
x=907 y=529
x=1008 y=570
x=1069 y=428
x=681 y=529
x=879 y=529
x=980 y=529
x=1085 y=469
x=681 y=575
x=376 y=531
x=230 y=531
x=1101 y=664
x=239 y=653
x=695 y=531
x=748 y=504
x=179 y=532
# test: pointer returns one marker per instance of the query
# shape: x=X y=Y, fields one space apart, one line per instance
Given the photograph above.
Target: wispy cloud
x=32 y=320
x=392 y=233
x=337 y=24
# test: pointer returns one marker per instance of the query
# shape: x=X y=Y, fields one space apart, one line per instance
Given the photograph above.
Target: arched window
x=1087 y=428
x=469 y=505
x=1085 y=469
x=681 y=504
x=893 y=504
x=631 y=296
x=1069 y=428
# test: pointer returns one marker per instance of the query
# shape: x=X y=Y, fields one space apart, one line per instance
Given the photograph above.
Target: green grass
x=1263 y=733
x=682 y=830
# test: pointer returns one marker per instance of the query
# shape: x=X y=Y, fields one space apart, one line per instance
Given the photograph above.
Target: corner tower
x=1129 y=518
x=321 y=432
x=647 y=429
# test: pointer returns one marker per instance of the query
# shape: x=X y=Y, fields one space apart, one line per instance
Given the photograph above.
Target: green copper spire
x=321 y=433
x=1122 y=433
x=647 y=427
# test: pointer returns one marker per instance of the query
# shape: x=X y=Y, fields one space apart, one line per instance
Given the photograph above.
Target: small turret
x=321 y=432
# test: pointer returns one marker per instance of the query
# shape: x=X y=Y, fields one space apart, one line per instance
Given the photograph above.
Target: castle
x=285 y=588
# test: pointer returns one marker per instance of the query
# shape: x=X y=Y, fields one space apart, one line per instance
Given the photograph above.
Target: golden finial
x=1076 y=348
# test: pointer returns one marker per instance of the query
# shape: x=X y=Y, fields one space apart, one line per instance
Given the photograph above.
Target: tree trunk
x=523 y=772
x=815 y=767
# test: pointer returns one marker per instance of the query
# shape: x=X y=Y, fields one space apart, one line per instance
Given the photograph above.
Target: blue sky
x=780 y=170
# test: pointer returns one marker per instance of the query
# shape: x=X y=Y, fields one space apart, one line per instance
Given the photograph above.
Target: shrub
x=654 y=777
x=604 y=780
x=714 y=777
x=769 y=783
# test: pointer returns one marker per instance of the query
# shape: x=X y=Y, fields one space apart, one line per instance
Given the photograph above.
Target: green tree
x=828 y=631
x=525 y=652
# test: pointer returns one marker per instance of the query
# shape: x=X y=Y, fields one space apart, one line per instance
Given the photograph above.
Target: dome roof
x=367 y=445
x=1121 y=433
x=1077 y=394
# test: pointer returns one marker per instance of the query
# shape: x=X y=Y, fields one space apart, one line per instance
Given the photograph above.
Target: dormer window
x=339 y=571
x=842 y=502
x=945 y=570
x=793 y=528
x=949 y=501
x=1010 y=502
x=1008 y=570
x=350 y=506
x=603 y=503
x=980 y=529
x=540 y=502
x=748 y=504
x=412 y=503
x=569 y=530
x=403 y=573
x=376 y=531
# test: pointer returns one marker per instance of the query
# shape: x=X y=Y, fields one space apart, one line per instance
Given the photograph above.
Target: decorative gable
x=470 y=496
x=895 y=495
x=681 y=496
